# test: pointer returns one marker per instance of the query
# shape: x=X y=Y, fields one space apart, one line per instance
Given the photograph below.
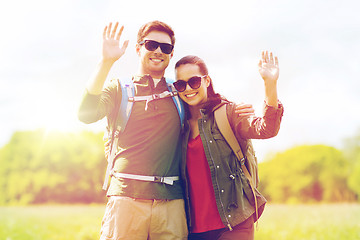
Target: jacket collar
x=212 y=105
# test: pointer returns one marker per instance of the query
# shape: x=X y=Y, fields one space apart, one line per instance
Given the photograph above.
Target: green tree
x=352 y=153
x=39 y=167
x=306 y=174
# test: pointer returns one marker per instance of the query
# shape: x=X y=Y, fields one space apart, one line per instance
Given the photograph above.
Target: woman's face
x=192 y=97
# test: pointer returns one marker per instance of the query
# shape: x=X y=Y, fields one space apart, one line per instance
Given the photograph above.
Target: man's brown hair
x=155 y=26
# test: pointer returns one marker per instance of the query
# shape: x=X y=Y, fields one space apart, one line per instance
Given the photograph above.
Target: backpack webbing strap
x=149 y=98
x=127 y=91
x=111 y=158
x=128 y=98
x=124 y=110
x=178 y=102
x=225 y=129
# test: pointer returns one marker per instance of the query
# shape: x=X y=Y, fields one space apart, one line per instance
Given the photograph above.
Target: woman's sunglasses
x=151 y=45
x=194 y=83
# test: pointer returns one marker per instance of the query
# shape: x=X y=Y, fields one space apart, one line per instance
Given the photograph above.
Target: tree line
x=39 y=167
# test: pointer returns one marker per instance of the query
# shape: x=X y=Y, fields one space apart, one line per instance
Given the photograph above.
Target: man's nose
x=158 y=50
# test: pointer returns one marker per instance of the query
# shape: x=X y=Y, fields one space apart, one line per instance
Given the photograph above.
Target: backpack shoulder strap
x=178 y=102
x=127 y=90
x=123 y=114
x=225 y=129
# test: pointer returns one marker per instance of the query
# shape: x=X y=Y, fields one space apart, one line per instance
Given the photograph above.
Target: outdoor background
x=52 y=166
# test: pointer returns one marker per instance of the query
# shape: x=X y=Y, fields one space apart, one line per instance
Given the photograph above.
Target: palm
x=269 y=67
x=111 y=49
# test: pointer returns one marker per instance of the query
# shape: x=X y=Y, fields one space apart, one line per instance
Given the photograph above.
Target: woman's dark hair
x=213 y=98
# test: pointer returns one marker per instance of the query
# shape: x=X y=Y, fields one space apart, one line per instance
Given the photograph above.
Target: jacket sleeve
x=256 y=127
x=95 y=107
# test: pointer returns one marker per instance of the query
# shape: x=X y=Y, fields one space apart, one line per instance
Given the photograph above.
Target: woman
x=217 y=205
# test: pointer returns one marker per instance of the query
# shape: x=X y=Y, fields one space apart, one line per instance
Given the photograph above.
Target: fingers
x=244 y=110
x=104 y=33
x=268 y=57
x=271 y=58
x=265 y=56
x=110 y=33
x=120 y=32
x=125 y=44
x=114 y=30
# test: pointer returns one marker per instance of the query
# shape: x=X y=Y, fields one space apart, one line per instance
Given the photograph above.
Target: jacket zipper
x=216 y=180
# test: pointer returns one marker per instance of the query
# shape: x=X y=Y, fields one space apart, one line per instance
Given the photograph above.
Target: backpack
x=122 y=115
x=248 y=162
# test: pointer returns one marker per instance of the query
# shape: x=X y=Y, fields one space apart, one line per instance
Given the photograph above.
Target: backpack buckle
x=158 y=179
x=156 y=96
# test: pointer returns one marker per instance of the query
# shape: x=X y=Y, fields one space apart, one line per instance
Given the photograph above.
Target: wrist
x=107 y=61
x=270 y=83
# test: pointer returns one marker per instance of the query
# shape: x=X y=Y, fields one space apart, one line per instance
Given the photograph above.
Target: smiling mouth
x=190 y=95
x=156 y=60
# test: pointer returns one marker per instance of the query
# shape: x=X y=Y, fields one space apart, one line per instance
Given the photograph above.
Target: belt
x=157 y=179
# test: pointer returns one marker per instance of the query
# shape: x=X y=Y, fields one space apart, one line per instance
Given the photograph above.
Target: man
x=139 y=208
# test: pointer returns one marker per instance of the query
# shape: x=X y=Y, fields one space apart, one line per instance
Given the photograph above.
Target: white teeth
x=190 y=95
x=156 y=60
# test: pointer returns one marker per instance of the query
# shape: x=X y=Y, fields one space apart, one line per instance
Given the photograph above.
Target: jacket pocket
x=223 y=146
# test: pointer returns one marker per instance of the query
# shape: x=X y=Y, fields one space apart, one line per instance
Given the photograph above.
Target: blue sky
x=49 y=49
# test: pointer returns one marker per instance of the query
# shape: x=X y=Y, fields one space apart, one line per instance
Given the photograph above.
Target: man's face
x=154 y=62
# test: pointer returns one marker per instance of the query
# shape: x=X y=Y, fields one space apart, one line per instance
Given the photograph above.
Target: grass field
x=82 y=222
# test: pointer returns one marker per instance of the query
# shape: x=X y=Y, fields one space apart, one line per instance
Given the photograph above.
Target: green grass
x=310 y=222
x=82 y=222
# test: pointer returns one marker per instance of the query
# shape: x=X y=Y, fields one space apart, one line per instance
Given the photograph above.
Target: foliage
x=55 y=167
x=306 y=174
x=352 y=153
x=38 y=167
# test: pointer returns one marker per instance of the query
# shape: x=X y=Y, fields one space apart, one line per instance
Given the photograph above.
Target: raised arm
x=98 y=102
x=247 y=125
x=269 y=71
x=111 y=52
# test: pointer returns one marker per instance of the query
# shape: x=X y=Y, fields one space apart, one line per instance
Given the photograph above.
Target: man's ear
x=137 y=48
x=171 y=54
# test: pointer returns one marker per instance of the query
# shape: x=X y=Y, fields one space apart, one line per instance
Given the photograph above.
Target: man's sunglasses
x=194 y=83
x=151 y=45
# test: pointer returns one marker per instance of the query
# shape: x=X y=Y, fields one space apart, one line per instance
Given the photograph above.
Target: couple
x=141 y=207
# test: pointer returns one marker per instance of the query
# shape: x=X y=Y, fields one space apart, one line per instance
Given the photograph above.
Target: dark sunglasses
x=194 y=83
x=151 y=45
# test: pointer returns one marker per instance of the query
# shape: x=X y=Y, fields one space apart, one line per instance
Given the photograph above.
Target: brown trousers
x=140 y=219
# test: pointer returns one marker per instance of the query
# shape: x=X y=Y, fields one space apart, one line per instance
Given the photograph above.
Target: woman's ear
x=207 y=80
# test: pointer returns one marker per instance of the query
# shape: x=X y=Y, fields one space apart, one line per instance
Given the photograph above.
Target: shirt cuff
x=270 y=111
